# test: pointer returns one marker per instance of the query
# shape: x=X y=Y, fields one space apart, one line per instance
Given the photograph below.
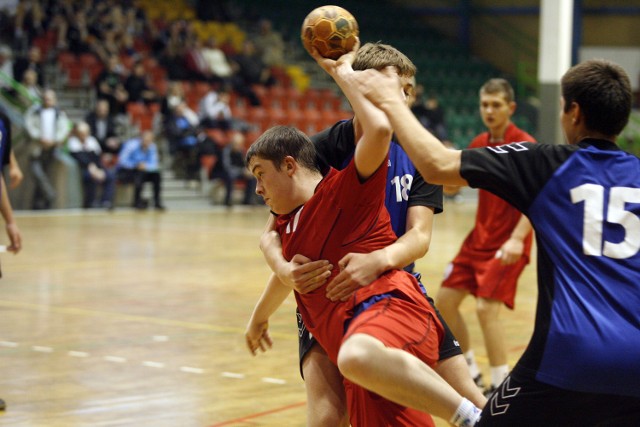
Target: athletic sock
x=498 y=374
x=470 y=357
x=467 y=415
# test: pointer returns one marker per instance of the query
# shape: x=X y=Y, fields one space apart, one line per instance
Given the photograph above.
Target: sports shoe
x=479 y=381
x=489 y=391
x=3 y=405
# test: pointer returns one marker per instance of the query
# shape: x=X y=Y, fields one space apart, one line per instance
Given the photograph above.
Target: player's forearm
x=522 y=229
x=274 y=294
x=5 y=204
x=410 y=247
x=436 y=163
x=271 y=248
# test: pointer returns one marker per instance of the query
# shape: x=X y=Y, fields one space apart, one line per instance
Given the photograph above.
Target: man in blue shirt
x=138 y=163
x=583 y=199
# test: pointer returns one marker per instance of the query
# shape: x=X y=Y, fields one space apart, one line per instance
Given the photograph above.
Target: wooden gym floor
x=133 y=319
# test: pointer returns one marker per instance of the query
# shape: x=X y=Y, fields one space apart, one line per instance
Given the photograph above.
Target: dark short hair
x=603 y=91
x=376 y=56
x=496 y=86
x=282 y=141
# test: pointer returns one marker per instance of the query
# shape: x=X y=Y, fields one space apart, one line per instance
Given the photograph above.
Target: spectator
x=32 y=90
x=174 y=96
x=269 y=44
x=48 y=128
x=6 y=69
x=214 y=109
x=85 y=149
x=182 y=130
x=195 y=63
x=217 y=62
x=235 y=170
x=429 y=113
x=137 y=85
x=103 y=127
x=139 y=163
x=33 y=62
x=249 y=67
x=110 y=86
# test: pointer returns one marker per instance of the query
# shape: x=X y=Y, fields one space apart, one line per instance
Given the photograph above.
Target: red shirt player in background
x=495 y=252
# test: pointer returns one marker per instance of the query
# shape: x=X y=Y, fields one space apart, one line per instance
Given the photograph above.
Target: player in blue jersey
x=581 y=367
x=6 y=210
x=411 y=203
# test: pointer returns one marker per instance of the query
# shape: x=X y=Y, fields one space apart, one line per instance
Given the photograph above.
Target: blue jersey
x=584 y=204
x=5 y=139
x=405 y=186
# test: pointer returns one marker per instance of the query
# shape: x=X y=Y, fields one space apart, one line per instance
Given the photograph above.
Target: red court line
x=259 y=414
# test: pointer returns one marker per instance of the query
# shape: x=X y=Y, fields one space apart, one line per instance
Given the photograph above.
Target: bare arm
x=257 y=335
x=357 y=270
x=511 y=250
x=10 y=224
x=436 y=163
x=373 y=145
x=301 y=273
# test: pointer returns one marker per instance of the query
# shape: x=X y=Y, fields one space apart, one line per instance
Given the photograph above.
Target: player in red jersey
x=385 y=336
x=495 y=252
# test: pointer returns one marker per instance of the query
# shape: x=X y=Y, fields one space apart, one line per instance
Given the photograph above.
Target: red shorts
x=412 y=327
x=485 y=278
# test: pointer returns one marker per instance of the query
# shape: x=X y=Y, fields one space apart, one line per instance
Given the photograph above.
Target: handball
x=330 y=29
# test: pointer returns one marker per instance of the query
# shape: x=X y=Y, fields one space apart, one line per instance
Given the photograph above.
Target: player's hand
x=14 y=236
x=511 y=251
x=305 y=275
x=257 y=337
x=356 y=271
x=331 y=66
x=378 y=88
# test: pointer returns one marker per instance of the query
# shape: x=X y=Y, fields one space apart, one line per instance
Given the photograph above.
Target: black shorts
x=524 y=402
x=449 y=346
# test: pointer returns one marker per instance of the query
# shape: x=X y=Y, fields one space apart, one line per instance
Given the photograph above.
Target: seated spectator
x=197 y=67
x=110 y=86
x=182 y=129
x=174 y=96
x=137 y=85
x=85 y=149
x=32 y=92
x=429 y=113
x=103 y=127
x=217 y=62
x=6 y=70
x=234 y=170
x=33 y=62
x=249 y=67
x=214 y=110
x=139 y=163
x=269 y=44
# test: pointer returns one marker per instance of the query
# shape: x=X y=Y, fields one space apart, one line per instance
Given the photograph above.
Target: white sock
x=467 y=415
x=470 y=357
x=498 y=374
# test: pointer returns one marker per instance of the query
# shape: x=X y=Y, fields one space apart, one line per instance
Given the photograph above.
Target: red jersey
x=344 y=215
x=495 y=218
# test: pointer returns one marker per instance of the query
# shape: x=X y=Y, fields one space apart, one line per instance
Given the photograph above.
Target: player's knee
x=353 y=357
x=487 y=309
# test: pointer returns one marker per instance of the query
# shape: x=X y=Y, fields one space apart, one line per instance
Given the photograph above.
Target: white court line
x=191 y=370
x=73 y=353
x=273 y=380
x=10 y=344
x=115 y=359
x=42 y=349
x=232 y=375
x=151 y=364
